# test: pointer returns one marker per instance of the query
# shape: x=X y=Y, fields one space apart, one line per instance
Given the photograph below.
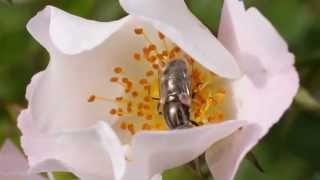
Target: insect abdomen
x=176 y=115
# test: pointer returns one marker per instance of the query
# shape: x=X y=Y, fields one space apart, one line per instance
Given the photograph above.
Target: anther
x=113 y=111
x=92 y=98
x=131 y=129
x=138 y=31
x=177 y=49
x=114 y=79
x=136 y=56
x=155 y=66
x=160 y=57
x=143 y=81
x=149 y=73
x=220 y=115
x=118 y=70
x=152 y=47
x=146 y=50
x=129 y=84
x=146 y=126
x=119 y=99
x=127 y=90
x=134 y=94
x=125 y=80
x=152 y=59
x=161 y=36
x=123 y=126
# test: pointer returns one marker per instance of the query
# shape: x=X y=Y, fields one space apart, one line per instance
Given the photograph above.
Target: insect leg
x=158 y=108
x=194 y=123
x=253 y=159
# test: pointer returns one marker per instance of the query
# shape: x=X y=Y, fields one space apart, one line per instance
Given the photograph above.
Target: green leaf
x=179 y=173
x=208 y=11
x=64 y=176
x=108 y=10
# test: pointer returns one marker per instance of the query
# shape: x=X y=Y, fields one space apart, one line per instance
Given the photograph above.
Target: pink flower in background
x=13 y=165
x=90 y=112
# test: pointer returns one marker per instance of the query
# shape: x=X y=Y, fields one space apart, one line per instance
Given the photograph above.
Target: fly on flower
x=175 y=92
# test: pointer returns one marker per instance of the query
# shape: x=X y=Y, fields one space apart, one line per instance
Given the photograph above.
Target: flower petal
x=175 y=20
x=224 y=157
x=57 y=30
x=249 y=32
x=155 y=152
x=266 y=81
x=13 y=165
x=64 y=87
x=258 y=107
x=76 y=151
x=34 y=83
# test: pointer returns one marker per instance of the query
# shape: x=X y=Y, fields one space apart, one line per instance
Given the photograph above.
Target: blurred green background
x=291 y=151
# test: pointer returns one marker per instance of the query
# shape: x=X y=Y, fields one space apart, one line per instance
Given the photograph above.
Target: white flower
x=115 y=64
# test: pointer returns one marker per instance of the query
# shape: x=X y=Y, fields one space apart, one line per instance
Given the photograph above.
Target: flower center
x=139 y=108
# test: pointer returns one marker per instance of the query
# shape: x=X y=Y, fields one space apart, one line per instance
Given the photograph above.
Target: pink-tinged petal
x=265 y=105
x=154 y=152
x=224 y=157
x=250 y=32
x=175 y=20
x=58 y=30
x=34 y=82
x=263 y=94
x=13 y=165
x=64 y=87
x=77 y=151
x=25 y=124
x=261 y=107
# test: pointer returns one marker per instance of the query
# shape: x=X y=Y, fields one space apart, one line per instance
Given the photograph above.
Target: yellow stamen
x=92 y=98
x=137 y=56
x=118 y=70
x=208 y=100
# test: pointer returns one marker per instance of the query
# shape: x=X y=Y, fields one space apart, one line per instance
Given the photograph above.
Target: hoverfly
x=176 y=95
